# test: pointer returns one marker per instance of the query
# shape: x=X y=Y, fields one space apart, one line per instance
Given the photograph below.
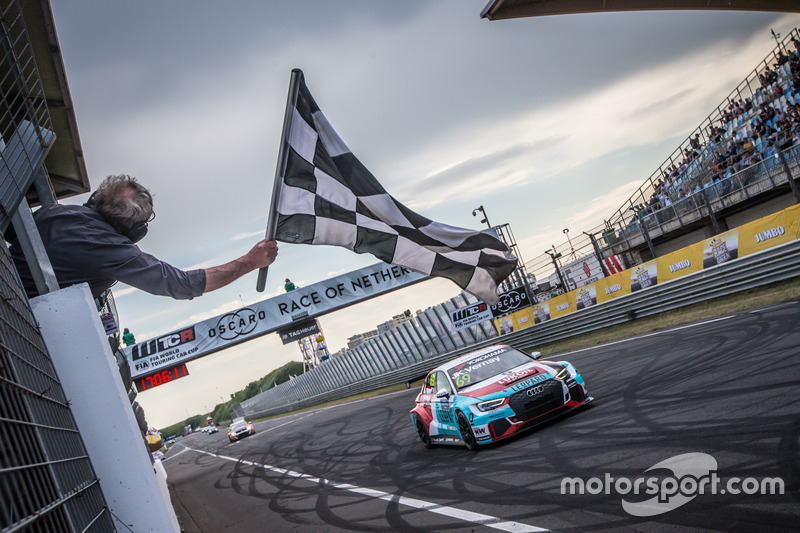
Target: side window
x=443 y=383
x=427 y=387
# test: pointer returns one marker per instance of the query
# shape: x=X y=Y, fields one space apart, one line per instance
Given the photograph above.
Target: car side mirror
x=536 y=355
x=442 y=394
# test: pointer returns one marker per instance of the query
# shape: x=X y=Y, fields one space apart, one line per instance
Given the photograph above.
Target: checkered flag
x=326 y=196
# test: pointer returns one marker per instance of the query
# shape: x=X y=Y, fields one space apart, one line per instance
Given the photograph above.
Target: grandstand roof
x=508 y=9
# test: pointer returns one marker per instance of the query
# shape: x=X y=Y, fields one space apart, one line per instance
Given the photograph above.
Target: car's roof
x=466 y=357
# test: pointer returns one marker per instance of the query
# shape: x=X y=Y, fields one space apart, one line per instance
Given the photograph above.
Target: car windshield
x=485 y=366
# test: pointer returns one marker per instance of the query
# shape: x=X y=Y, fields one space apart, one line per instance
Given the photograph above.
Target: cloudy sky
x=549 y=123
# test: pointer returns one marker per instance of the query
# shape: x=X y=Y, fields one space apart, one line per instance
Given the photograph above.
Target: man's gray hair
x=123 y=202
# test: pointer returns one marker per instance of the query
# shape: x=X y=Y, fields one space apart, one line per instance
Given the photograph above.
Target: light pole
x=565 y=231
x=553 y=257
x=485 y=218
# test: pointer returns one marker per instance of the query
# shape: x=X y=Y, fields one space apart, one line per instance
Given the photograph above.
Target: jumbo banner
x=751 y=238
x=515 y=321
x=644 y=275
x=585 y=297
x=613 y=286
x=721 y=248
x=266 y=316
x=793 y=214
x=764 y=233
x=562 y=305
x=541 y=312
x=680 y=263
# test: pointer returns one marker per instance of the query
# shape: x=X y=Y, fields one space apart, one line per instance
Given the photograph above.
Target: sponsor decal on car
x=529 y=382
x=481 y=432
x=516 y=376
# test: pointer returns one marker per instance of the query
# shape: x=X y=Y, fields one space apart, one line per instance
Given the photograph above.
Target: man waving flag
x=324 y=195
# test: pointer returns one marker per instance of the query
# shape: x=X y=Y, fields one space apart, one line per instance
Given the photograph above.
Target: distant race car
x=239 y=429
x=492 y=394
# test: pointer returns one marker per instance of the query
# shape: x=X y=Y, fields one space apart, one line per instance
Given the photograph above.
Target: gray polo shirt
x=83 y=247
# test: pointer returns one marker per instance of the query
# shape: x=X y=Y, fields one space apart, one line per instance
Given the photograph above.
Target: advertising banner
x=510 y=301
x=515 y=321
x=613 y=286
x=721 y=248
x=563 y=304
x=582 y=271
x=585 y=297
x=267 y=316
x=470 y=315
x=680 y=262
x=541 y=312
x=793 y=214
x=298 y=331
x=644 y=275
x=764 y=233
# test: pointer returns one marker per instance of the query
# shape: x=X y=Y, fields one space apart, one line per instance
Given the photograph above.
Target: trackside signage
x=510 y=301
x=470 y=315
x=298 y=331
x=266 y=317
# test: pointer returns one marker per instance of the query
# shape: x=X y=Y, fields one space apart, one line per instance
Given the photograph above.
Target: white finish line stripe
x=452 y=512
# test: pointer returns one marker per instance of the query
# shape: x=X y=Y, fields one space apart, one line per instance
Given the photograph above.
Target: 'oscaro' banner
x=265 y=317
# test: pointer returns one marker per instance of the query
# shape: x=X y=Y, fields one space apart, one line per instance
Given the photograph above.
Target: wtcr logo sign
x=692 y=474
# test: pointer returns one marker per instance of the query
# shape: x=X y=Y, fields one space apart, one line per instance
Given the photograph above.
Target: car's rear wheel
x=466 y=432
x=422 y=432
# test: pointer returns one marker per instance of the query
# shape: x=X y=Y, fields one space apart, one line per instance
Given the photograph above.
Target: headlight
x=491 y=405
x=567 y=371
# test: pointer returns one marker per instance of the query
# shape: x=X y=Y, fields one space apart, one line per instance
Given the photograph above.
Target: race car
x=239 y=429
x=491 y=394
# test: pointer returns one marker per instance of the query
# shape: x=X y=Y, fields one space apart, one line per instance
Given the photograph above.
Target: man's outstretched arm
x=261 y=255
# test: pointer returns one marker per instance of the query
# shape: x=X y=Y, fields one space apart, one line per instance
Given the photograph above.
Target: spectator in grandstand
x=748 y=131
x=769 y=150
x=94 y=243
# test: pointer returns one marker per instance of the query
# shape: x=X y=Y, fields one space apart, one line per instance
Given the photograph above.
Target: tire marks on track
x=323 y=508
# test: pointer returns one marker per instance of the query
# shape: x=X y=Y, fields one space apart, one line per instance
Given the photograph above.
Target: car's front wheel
x=466 y=432
x=422 y=432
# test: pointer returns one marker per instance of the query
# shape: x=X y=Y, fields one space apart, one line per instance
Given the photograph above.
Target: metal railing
x=714 y=197
x=409 y=352
x=47 y=482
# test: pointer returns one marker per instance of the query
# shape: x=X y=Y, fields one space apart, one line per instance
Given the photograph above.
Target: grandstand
x=738 y=165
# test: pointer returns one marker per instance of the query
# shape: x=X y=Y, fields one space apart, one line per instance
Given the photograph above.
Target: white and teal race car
x=492 y=394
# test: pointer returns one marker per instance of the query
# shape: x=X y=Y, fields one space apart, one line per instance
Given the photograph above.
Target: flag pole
x=283 y=155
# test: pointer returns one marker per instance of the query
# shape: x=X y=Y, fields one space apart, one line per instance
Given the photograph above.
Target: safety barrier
x=396 y=357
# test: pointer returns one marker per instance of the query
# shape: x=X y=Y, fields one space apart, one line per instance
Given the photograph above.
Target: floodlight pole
x=283 y=155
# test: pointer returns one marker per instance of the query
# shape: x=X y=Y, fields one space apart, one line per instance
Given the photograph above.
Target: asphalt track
x=729 y=388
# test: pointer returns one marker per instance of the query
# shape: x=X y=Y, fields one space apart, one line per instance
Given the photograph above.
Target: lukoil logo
x=693 y=474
